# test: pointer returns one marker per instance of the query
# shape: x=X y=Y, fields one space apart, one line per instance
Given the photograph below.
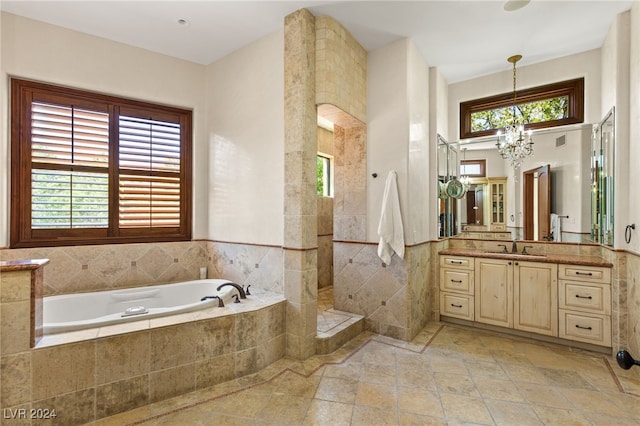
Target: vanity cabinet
x=457 y=287
x=494 y=292
x=519 y=295
x=535 y=297
x=498 y=207
x=572 y=302
x=584 y=299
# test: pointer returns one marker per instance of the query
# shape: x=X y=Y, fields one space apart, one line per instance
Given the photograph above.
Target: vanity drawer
x=456 y=280
x=584 y=273
x=456 y=305
x=457 y=262
x=585 y=297
x=582 y=327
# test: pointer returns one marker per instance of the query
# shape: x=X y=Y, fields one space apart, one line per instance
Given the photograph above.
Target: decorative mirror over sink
x=495 y=206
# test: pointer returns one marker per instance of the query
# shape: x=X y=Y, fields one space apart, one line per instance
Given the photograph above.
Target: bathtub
x=70 y=312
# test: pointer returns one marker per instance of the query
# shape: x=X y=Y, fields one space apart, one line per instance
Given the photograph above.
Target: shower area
x=341 y=209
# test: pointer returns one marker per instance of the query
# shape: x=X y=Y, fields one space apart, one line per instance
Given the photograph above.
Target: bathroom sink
x=515 y=255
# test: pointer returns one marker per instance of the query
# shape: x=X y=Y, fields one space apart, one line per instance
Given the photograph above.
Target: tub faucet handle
x=220 y=301
x=246 y=292
x=237 y=299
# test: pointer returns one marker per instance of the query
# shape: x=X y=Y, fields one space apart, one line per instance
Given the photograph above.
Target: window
x=473 y=168
x=95 y=169
x=539 y=107
x=324 y=176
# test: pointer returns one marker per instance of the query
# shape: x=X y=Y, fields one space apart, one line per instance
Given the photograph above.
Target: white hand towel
x=556 y=228
x=390 y=227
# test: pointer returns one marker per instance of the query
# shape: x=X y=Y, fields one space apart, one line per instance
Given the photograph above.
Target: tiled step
x=335 y=328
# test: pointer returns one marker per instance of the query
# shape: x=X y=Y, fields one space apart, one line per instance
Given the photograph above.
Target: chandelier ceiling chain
x=514 y=144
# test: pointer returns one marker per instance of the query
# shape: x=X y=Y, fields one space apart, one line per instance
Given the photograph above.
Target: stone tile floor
x=328 y=319
x=448 y=375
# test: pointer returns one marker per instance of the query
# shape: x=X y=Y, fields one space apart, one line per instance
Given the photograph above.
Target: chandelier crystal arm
x=513 y=143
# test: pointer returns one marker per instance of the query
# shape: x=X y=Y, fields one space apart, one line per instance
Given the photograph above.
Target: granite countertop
x=19 y=265
x=534 y=257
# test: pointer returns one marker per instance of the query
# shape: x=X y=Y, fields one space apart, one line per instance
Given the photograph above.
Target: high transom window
x=539 y=107
x=89 y=168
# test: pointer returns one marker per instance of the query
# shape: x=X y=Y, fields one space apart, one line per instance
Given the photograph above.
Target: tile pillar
x=20 y=328
x=300 y=223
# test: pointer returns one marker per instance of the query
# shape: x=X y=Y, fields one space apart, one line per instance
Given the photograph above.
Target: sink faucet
x=504 y=248
x=514 y=247
x=243 y=295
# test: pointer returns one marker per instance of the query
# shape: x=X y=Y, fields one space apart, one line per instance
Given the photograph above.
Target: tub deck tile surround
x=89 y=374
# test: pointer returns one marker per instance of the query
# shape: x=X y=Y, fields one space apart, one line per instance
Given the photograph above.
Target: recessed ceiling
x=464 y=39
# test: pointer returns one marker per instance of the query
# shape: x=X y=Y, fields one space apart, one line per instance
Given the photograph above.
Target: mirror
x=474 y=210
x=447 y=159
x=565 y=151
x=602 y=168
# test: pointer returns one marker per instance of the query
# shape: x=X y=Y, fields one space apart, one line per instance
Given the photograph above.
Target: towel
x=390 y=227
x=556 y=229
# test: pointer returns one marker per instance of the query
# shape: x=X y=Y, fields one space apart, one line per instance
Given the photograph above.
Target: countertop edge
x=548 y=258
x=20 y=265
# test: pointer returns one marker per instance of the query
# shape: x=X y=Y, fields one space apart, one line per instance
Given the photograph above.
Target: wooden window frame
x=482 y=164
x=21 y=233
x=574 y=89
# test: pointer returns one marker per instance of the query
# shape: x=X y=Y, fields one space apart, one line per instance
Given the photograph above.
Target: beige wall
x=631 y=192
x=43 y=52
x=615 y=93
x=245 y=136
x=438 y=118
x=388 y=128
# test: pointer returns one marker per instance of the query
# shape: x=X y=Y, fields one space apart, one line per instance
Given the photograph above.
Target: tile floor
x=448 y=374
x=328 y=319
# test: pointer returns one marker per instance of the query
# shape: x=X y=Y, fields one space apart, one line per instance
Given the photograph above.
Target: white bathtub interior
x=70 y=312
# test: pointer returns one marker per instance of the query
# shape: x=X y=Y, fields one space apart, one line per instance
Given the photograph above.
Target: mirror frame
x=603 y=179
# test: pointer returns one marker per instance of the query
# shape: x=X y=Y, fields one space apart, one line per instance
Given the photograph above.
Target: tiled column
x=300 y=225
x=19 y=329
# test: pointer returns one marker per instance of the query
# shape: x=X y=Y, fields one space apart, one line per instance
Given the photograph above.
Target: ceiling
x=464 y=39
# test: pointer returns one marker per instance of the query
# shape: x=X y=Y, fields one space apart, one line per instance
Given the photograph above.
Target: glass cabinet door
x=498 y=203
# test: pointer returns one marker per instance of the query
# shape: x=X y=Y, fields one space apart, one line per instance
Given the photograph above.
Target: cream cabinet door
x=535 y=297
x=494 y=292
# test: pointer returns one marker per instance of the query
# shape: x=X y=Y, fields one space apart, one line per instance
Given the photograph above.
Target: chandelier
x=514 y=144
